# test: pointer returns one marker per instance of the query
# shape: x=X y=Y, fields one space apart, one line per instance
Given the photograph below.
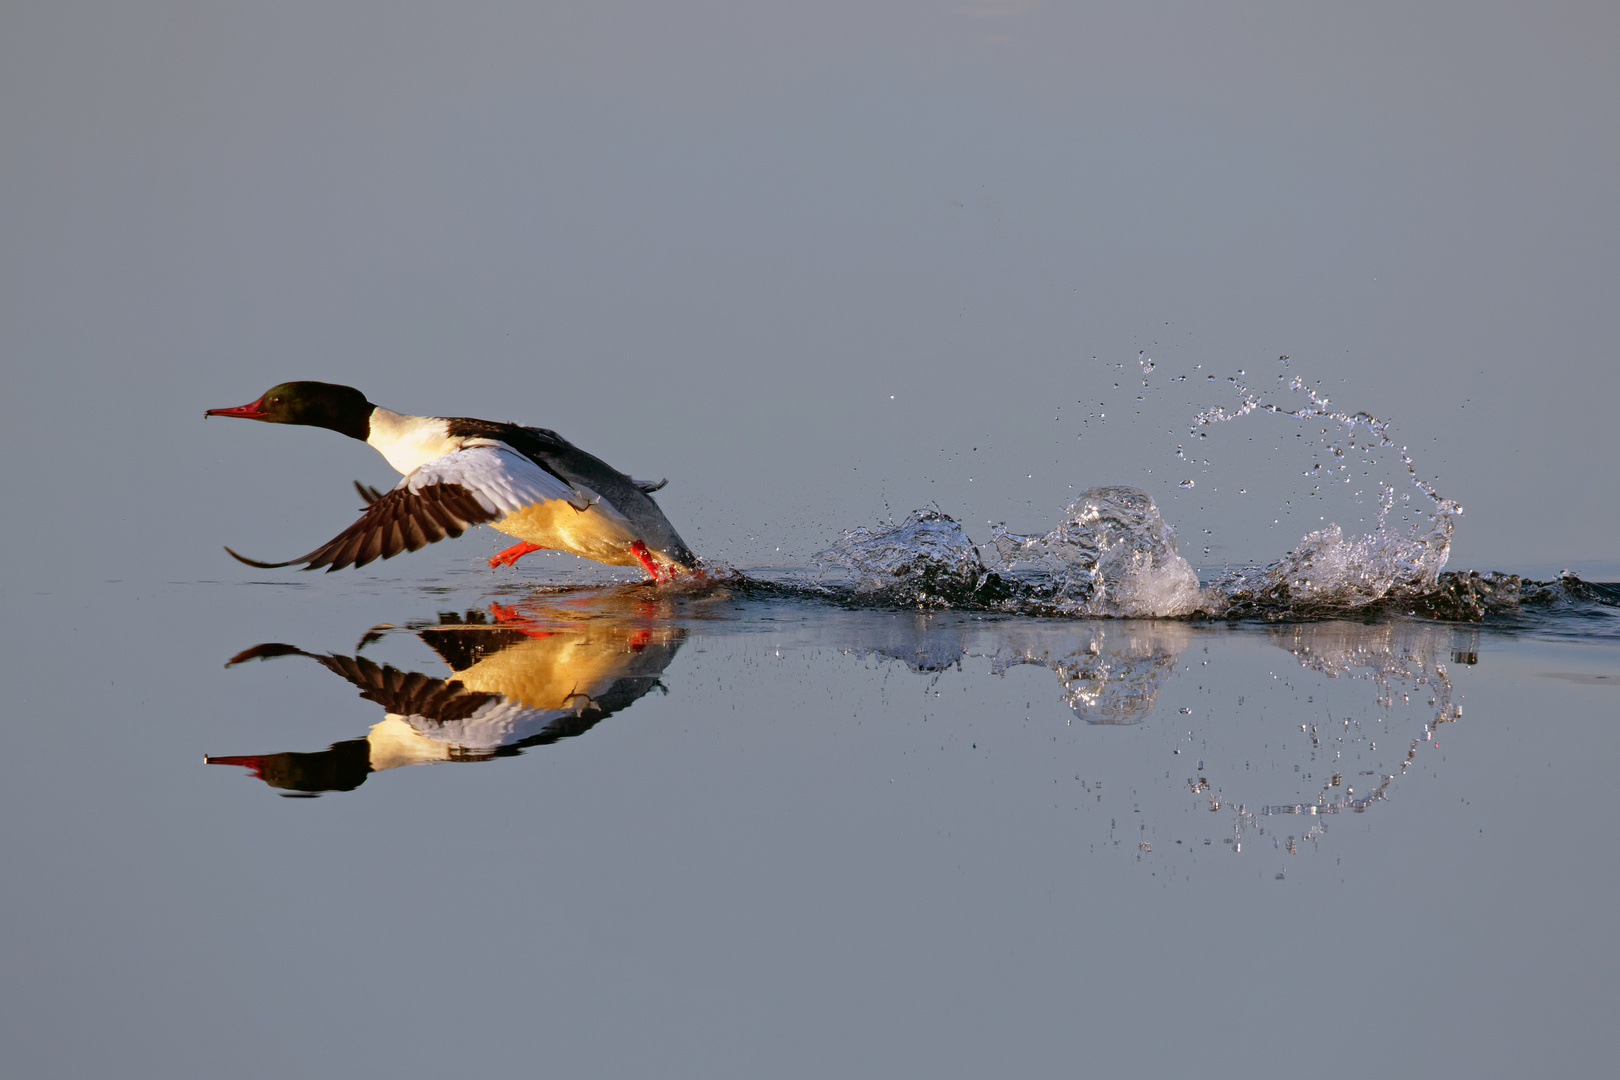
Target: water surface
x=609 y=829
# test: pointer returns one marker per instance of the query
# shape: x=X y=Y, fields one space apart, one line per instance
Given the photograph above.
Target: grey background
x=817 y=263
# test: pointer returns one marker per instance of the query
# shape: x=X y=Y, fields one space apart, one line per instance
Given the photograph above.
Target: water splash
x=1328 y=573
x=926 y=559
x=1112 y=555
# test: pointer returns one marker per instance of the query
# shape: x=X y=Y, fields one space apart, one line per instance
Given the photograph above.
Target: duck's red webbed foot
x=644 y=557
x=512 y=554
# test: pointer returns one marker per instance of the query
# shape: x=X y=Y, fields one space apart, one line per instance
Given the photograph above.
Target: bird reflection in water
x=1262 y=752
x=522 y=680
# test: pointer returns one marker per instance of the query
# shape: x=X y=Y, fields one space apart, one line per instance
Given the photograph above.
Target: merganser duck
x=528 y=482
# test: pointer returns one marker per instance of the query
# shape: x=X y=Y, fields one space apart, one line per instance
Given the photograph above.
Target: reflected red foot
x=644 y=557
x=507 y=615
x=512 y=554
x=502 y=613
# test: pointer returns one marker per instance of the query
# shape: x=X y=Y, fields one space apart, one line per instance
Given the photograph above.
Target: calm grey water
x=757 y=837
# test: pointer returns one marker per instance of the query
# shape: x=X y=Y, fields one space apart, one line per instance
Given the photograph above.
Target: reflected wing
x=405 y=693
x=444 y=497
x=408 y=693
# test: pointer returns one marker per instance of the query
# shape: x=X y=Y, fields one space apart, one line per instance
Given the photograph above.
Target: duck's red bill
x=253 y=410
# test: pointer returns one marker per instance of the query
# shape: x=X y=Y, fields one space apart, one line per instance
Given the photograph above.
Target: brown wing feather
x=400 y=520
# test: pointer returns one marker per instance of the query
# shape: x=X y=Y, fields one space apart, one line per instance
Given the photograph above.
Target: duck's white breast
x=409 y=442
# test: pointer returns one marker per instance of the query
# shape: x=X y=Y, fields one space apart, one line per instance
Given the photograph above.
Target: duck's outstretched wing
x=368 y=494
x=444 y=497
x=402 y=520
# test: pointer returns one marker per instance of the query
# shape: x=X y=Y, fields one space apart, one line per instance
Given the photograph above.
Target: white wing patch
x=501 y=480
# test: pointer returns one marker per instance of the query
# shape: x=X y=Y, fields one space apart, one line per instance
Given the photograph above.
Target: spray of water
x=1328 y=573
x=1111 y=554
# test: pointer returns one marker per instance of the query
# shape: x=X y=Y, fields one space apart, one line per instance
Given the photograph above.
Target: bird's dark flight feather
x=399 y=520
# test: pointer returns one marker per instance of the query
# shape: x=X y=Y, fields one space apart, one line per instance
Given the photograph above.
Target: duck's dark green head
x=316 y=404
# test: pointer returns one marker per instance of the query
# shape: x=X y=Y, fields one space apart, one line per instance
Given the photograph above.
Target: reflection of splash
x=1400 y=659
x=1111 y=671
x=1112 y=675
x=520 y=684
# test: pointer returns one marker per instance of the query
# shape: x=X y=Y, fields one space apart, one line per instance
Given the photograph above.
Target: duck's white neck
x=409 y=441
